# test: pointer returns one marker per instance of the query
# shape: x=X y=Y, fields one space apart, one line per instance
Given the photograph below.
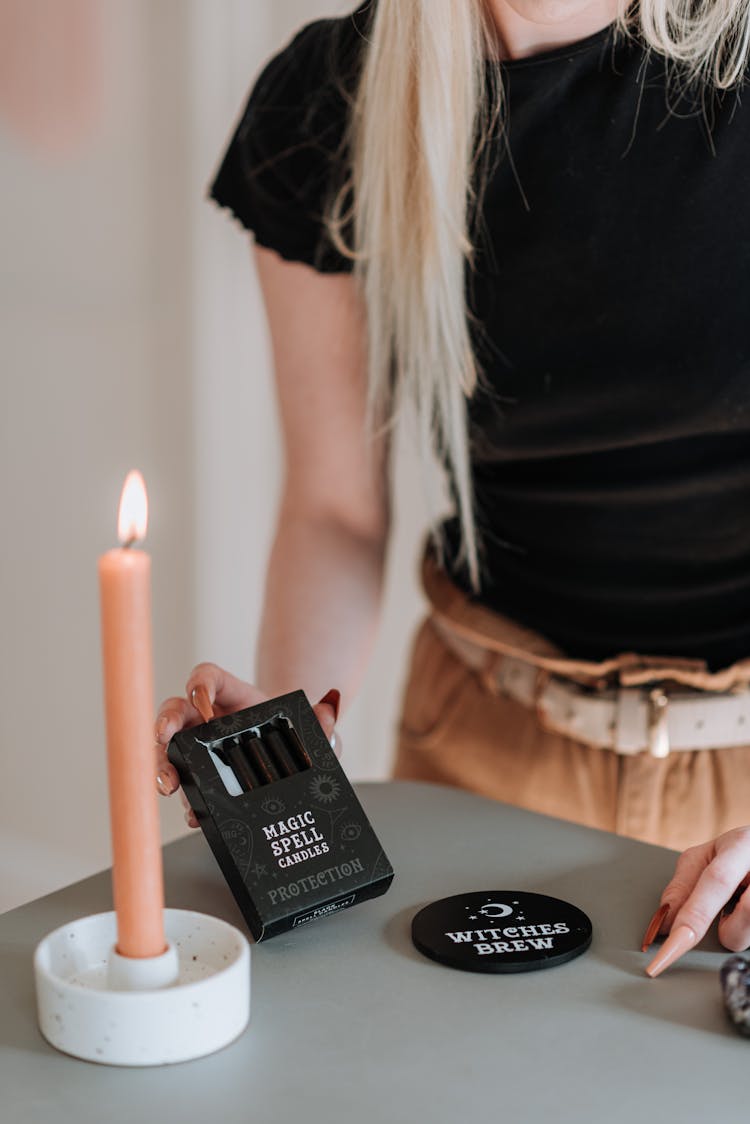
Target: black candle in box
x=277 y=809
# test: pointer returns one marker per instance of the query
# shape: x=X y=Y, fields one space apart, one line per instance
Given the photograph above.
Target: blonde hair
x=423 y=110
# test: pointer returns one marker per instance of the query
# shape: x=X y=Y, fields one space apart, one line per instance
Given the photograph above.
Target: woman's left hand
x=706 y=880
x=212 y=691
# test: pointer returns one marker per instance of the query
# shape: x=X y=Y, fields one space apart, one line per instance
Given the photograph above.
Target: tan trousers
x=456 y=729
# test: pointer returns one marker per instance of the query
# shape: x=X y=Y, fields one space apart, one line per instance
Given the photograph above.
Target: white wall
x=95 y=378
x=131 y=333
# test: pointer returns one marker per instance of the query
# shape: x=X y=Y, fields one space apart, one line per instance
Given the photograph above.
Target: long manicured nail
x=679 y=941
x=653 y=927
x=202 y=702
x=333 y=698
x=161 y=727
x=166 y=788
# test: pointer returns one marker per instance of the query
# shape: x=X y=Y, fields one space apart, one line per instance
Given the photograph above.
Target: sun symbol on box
x=325 y=788
x=350 y=832
x=272 y=806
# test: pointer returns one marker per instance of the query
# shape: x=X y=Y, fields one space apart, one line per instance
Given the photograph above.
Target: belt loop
x=658 y=732
x=628 y=721
x=541 y=680
x=488 y=672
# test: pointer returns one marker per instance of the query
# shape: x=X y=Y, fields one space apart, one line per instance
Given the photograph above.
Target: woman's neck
x=526 y=27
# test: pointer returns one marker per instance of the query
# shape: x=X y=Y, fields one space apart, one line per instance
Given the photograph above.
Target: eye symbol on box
x=273 y=807
x=496 y=909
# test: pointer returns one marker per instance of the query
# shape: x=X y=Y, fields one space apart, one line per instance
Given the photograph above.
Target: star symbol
x=472 y=917
x=259 y=870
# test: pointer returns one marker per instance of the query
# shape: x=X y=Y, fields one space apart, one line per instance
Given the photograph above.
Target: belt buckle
x=658 y=732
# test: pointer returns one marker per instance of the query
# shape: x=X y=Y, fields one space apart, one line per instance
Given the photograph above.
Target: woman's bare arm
x=325 y=571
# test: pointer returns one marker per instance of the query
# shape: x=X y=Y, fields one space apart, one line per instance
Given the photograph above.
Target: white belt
x=628 y=720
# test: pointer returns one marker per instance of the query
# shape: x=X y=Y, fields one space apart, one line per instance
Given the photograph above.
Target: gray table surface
x=349 y=1022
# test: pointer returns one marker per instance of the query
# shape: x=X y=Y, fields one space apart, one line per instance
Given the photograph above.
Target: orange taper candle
x=125 y=591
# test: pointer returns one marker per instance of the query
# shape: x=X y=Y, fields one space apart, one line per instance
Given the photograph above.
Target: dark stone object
x=735 y=983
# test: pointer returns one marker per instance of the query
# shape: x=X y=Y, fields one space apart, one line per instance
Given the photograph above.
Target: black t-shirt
x=611 y=448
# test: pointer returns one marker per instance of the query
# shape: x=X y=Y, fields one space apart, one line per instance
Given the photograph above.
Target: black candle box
x=292 y=849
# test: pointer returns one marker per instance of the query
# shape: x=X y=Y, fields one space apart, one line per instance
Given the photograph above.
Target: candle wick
x=130 y=542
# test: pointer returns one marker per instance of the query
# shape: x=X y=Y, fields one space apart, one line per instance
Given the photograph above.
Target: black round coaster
x=501 y=931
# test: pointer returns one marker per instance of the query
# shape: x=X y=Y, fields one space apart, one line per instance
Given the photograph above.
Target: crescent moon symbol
x=498 y=908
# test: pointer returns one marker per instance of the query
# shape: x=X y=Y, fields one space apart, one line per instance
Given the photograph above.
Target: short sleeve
x=287 y=155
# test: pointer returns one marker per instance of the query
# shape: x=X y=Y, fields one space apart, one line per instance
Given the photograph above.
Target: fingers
x=174 y=714
x=734 y=927
x=225 y=692
x=190 y=817
x=324 y=714
x=332 y=699
x=200 y=699
x=684 y=898
x=680 y=940
x=211 y=684
x=690 y=866
x=706 y=879
x=713 y=890
x=209 y=688
x=655 y=927
x=167 y=779
x=327 y=712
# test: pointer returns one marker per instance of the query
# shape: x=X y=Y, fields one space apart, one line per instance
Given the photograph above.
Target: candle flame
x=132 y=518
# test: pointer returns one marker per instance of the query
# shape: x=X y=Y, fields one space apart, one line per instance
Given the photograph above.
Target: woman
x=528 y=218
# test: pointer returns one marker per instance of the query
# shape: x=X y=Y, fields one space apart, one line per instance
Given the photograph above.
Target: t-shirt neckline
x=553 y=54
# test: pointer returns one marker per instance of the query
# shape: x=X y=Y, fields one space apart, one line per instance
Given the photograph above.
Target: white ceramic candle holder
x=103 y=1007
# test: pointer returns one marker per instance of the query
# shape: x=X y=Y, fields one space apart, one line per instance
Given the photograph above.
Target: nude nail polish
x=202 y=702
x=679 y=941
x=165 y=788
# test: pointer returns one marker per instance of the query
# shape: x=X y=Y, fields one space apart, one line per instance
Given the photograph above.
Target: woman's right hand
x=225 y=694
x=710 y=880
